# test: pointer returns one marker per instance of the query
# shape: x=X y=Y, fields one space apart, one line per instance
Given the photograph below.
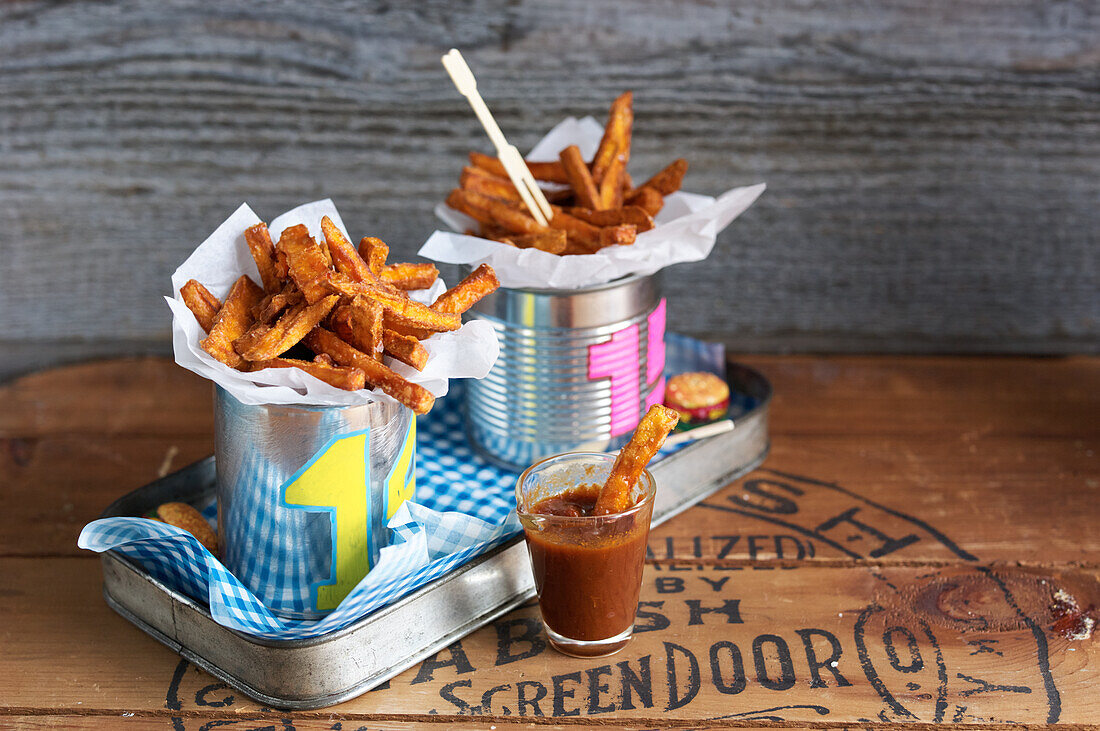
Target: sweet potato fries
x=345 y=305
x=649 y=436
x=601 y=206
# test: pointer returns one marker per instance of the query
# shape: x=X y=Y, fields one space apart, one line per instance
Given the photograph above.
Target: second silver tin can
x=304 y=495
x=576 y=371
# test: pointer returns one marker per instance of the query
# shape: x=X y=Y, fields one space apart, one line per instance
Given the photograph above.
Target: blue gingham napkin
x=464 y=506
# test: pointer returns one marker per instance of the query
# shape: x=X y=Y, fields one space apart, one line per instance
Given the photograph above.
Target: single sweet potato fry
x=267 y=309
x=615 y=495
x=511 y=216
x=484 y=182
x=323 y=243
x=345 y=377
x=264 y=342
x=187 y=518
x=620 y=235
x=616 y=136
x=491 y=230
x=344 y=256
x=410 y=275
x=611 y=187
x=464 y=295
x=404 y=348
x=359 y=323
x=203 y=305
x=648 y=199
x=374 y=251
x=575 y=248
x=627 y=214
x=455 y=300
x=668 y=180
x=306 y=262
x=232 y=320
x=282 y=269
x=377 y=375
x=460 y=201
x=584 y=188
x=400 y=309
x=262 y=249
x=553 y=241
x=394 y=325
x=549 y=171
x=580 y=233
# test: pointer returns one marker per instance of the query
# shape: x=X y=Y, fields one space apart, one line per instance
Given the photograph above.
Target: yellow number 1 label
x=401 y=482
x=337 y=480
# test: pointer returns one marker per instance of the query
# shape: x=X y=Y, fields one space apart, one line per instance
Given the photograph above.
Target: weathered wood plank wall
x=932 y=164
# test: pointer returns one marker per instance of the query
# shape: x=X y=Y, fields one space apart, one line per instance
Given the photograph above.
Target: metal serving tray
x=323 y=671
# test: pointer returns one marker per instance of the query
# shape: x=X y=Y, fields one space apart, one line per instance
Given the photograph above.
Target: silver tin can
x=304 y=495
x=577 y=369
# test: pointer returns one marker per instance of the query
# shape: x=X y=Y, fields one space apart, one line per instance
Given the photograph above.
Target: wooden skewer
x=700 y=432
x=509 y=156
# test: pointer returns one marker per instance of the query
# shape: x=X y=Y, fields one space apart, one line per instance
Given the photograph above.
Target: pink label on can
x=618 y=360
x=655 y=354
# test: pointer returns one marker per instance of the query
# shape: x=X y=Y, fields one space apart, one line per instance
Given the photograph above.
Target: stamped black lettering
x=771 y=501
x=596 y=688
x=831 y=663
x=640 y=682
x=646 y=621
x=727 y=546
x=669 y=584
x=487 y=700
x=800 y=550
x=984 y=646
x=730 y=608
x=458 y=661
x=727 y=670
x=202 y=699
x=754 y=548
x=529 y=639
x=785 y=681
x=172 y=698
x=525 y=702
x=716 y=584
x=677 y=696
x=887 y=545
x=447 y=693
x=561 y=693
x=914 y=663
x=984 y=686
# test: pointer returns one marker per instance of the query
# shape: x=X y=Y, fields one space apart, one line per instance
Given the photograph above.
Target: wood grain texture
x=913 y=635
x=955 y=441
x=931 y=166
x=925 y=530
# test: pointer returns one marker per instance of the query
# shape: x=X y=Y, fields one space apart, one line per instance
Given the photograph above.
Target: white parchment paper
x=686 y=230
x=468 y=352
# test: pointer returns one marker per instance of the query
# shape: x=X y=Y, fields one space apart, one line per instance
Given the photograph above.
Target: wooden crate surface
x=894 y=560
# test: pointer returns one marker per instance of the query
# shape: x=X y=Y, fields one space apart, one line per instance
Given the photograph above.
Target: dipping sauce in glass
x=587 y=568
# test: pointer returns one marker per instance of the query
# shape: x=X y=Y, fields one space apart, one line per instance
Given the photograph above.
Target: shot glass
x=587 y=568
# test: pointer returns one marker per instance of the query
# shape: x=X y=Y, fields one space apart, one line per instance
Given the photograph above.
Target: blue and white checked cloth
x=463 y=507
